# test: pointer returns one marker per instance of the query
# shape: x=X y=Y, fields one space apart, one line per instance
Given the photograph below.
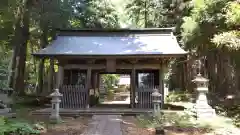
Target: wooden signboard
x=111 y=65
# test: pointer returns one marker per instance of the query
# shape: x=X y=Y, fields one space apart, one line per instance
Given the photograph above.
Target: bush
x=173 y=120
x=177 y=96
x=110 y=94
x=120 y=89
x=94 y=100
x=8 y=127
x=166 y=119
x=231 y=111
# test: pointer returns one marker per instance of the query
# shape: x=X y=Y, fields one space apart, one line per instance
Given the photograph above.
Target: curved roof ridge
x=117 y=31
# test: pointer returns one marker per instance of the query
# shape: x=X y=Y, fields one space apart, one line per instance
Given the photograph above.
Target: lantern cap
x=156 y=93
x=56 y=93
x=200 y=78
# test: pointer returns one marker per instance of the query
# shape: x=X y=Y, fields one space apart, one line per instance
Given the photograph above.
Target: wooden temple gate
x=76 y=94
x=83 y=54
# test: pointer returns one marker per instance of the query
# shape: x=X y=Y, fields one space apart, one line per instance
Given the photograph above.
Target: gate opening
x=114 y=89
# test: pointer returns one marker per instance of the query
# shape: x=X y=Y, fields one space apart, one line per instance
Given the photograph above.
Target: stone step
x=89 y=113
x=9 y=115
x=5 y=110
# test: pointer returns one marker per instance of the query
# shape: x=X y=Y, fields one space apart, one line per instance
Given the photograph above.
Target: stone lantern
x=55 y=117
x=202 y=88
x=202 y=108
x=5 y=101
x=156 y=100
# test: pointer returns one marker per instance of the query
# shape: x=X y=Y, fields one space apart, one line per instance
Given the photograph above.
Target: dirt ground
x=70 y=126
x=130 y=127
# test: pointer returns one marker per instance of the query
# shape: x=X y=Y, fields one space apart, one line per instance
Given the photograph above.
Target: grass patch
x=179 y=96
x=14 y=126
x=173 y=121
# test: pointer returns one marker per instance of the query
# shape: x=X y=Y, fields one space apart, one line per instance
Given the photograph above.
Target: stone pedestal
x=5 y=101
x=55 y=117
x=156 y=100
x=202 y=109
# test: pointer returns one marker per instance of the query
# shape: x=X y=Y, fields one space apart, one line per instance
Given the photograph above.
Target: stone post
x=156 y=100
x=202 y=108
x=55 y=117
x=5 y=101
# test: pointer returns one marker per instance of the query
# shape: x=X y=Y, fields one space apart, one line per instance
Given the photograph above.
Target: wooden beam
x=112 y=56
x=119 y=66
x=111 y=65
x=84 y=66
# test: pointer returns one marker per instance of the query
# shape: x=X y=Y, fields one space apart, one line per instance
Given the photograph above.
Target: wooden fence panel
x=74 y=96
x=144 y=97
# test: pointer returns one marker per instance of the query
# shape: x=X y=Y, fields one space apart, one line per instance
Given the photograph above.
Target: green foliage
x=6 y=20
x=110 y=94
x=110 y=80
x=8 y=126
x=152 y=13
x=178 y=96
x=96 y=14
x=206 y=19
x=233 y=13
x=230 y=40
x=4 y=64
x=167 y=119
x=191 y=29
x=231 y=111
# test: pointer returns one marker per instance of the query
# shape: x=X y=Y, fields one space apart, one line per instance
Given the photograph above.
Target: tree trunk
x=22 y=31
x=238 y=82
x=43 y=44
x=12 y=68
x=50 y=75
x=51 y=67
x=15 y=42
x=145 y=15
x=40 y=76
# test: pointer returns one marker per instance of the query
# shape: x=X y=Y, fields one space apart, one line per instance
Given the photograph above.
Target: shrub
x=120 y=89
x=8 y=127
x=177 y=96
x=93 y=100
x=110 y=94
x=231 y=111
x=166 y=119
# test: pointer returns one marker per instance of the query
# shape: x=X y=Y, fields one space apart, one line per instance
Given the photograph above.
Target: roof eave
x=125 y=31
x=104 y=56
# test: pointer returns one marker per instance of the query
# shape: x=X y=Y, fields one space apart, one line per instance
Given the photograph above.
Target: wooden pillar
x=133 y=84
x=89 y=80
x=60 y=76
x=98 y=80
x=95 y=81
x=133 y=87
x=88 y=86
x=161 y=82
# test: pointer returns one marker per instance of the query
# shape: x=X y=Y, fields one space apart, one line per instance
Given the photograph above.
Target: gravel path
x=104 y=125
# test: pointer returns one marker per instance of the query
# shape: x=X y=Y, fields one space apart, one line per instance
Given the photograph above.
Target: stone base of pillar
x=204 y=111
x=55 y=119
